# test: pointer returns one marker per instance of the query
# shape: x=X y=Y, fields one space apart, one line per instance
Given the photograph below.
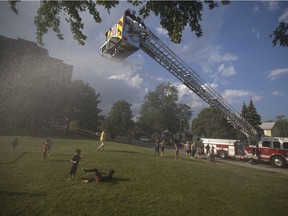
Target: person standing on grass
x=162 y=146
x=14 y=143
x=45 y=149
x=102 y=139
x=157 y=147
x=75 y=161
x=187 y=147
x=193 y=150
x=207 y=147
x=212 y=155
x=49 y=146
x=176 y=151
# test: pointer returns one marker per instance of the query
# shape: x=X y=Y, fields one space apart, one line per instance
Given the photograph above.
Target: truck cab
x=270 y=149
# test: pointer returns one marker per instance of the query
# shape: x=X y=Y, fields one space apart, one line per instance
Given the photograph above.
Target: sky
x=235 y=56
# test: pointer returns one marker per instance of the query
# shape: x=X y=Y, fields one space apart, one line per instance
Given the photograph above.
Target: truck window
x=276 y=144
x=266 y=144
x=285 y=145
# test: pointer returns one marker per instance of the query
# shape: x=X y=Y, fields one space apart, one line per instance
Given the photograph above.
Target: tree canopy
x=174 y=16
x=160 y=110
x=210 y=123
x=119 y=120
x=282 y=125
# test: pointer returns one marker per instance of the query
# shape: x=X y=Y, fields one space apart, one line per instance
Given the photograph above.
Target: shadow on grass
x=118 y=180
x=57 y=160
x=114 y=181
x=121 y=151
x=9 y=193
x=16 y=159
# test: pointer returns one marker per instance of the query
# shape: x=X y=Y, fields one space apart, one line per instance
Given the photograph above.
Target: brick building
x=20 y=58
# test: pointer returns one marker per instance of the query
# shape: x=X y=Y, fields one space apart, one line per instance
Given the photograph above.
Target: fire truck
x=130 y=34
x=270 y=149
x=224 y=147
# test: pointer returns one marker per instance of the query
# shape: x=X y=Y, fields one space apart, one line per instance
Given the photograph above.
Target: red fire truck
x=224 y=147
x=271 y=149
x=268 y=149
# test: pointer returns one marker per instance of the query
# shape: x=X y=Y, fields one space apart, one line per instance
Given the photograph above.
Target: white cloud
x=133 y=81
x=256 y=32
x=271 y=5
x=277 y=93
x=186 y=96
x=275 y=74
x=226 y=70
x=238 y=95
x=256 y=8
x=215 y=55
x=284 y=17
x=161 y=32
x=136 y=81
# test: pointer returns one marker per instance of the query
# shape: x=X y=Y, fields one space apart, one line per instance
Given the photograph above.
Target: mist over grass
x=143 y=184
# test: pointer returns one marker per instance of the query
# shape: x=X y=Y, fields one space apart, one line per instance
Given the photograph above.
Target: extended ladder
x=130 y=32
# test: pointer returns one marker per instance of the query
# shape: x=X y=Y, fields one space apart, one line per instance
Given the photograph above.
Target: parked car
x=144 y=139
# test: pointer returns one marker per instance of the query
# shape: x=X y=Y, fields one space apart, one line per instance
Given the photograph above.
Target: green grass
x=143 y=184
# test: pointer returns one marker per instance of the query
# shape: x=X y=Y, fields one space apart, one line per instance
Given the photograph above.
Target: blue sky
x=235 y=55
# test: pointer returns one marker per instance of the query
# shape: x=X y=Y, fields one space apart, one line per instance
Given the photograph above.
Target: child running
x=102 y=139
x=75 y=161
x=45 y=149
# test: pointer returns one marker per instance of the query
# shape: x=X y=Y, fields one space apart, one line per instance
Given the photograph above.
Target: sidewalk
x=259 y=166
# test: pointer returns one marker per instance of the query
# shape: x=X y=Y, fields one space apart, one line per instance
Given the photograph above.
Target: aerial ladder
x=130 y=34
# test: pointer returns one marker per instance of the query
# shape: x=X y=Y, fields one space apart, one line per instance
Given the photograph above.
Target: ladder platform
x=117 y=48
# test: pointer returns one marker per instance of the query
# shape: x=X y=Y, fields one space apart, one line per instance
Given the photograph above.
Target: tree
x=251 y=115
x=282 y=125
x=210 y=123
x=119 y=119
x=186 y=13
x=83 y=105
x=280 y=35
x=160 y=110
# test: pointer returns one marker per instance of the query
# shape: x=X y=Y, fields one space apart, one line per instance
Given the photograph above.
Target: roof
x=267 y=125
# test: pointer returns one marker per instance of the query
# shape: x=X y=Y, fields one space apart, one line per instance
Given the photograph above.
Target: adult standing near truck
x=102 y=139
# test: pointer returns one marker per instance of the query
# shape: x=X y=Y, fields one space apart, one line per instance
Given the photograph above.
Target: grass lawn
x=143 y=184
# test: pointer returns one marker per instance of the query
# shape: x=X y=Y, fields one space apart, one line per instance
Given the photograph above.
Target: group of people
x=192 y=149
x=159 y=147
x=99 y=175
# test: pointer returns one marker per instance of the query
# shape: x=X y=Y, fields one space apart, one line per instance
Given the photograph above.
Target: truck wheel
x=278 y=161
x=222 y=154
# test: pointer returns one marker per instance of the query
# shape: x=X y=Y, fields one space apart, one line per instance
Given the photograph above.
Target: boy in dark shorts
x=157 y=147
x=99 y=176
x=75 y=161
